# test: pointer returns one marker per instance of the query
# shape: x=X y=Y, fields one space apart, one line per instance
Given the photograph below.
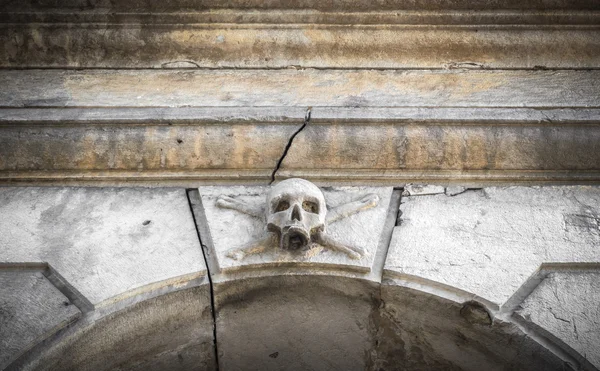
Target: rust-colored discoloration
x=320 y=146
x=142 y=148
x=445 y=147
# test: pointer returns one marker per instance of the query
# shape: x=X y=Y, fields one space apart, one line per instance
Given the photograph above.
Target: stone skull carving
x=296 y=213
x=296 y=218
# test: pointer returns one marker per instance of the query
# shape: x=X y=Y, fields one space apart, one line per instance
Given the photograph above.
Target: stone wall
x=474 y=268
x=447 y=278
x=183 y=93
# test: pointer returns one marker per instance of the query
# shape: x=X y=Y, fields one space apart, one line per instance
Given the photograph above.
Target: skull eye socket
x=310 y=207
x=282 y=205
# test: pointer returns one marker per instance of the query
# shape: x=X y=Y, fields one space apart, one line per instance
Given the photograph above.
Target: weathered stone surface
x=487 y=243
x=422 y=190
x=421 y=331
x=565 y=306
x=330 y=5
x=172 y=332
x=109 y=244
x=294 y=322
x=22 y=13
x=455 y=190
x=309 y=46
x=379 y=126
x=432 y=152
x=479 y=154
x=146 y=149
x=303 y=88
x=231 y=229
x=31 y=309
x=309 y=310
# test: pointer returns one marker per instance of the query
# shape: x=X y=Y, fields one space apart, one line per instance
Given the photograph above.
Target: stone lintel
x=380 y=128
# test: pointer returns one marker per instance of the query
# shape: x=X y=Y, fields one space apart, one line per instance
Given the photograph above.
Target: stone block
x=171 y=332
x=487 y=243
x=494 y=278
x=131 y=260
x=565 y=307
x=31 y=309
x=295 y=322
x=419 y=330
x=109 y=243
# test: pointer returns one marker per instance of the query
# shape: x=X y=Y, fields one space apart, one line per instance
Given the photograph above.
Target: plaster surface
x=31 y=308
x=487 y=243
x=109 y=244
x=566 y=305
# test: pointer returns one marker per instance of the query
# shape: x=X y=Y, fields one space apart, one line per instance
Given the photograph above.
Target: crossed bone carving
x=296 y=217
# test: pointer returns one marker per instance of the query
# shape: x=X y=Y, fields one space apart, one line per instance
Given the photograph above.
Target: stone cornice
x=305 y=17
x=73 y=45
x=185 y=127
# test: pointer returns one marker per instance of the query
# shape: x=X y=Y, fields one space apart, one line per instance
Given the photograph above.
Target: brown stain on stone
x=454 y=147
x=87 y=153
x=318 y=146
x=476 y=155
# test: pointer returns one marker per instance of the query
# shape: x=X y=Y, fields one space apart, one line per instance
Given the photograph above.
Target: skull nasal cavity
x=296 y=214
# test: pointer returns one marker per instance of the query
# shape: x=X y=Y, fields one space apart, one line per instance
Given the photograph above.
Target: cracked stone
x=422 y=190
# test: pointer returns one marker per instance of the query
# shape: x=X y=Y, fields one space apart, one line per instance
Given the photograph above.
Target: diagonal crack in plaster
x=289 y=144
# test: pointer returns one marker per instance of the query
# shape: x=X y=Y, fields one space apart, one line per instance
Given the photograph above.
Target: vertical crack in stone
x=208 y=273
x=388 y=230
x=289 y=144
x=377 y=315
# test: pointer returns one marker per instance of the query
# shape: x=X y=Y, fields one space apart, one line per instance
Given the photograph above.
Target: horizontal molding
x=325 y=177
x=475 y=178
x=328 y=5
x=298 y=89
x=185 y=128
x=306 y=17
x=241 y=153
x=69 y=45
x=160 y=116
x=261 y=116
x=445 y=147
x=128 y=178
